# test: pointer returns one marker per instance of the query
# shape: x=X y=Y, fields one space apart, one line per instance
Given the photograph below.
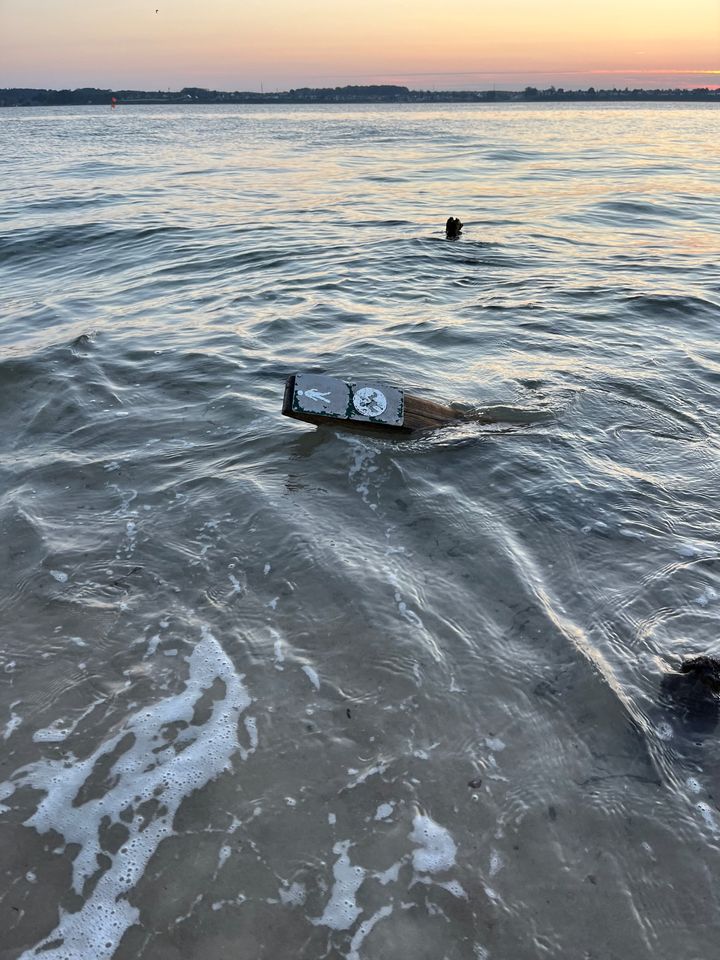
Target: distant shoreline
x=373 y=94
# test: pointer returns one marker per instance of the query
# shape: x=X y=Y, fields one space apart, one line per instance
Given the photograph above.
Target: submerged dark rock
x=692 y=695
x=704 y=669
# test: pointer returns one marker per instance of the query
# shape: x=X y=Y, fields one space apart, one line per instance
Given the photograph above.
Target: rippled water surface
x=268 y=691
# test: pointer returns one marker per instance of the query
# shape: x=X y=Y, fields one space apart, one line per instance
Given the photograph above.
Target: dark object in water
x=692 y=694
x=453 y=228
x=704 y=669
x=475 y=783
x=365 y=404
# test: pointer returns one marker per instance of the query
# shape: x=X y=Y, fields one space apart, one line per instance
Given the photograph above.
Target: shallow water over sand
x=248 y=670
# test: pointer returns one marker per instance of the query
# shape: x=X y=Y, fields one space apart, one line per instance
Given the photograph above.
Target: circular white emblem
x=369 y=402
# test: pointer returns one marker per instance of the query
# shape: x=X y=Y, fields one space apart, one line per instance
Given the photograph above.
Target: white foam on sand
x=6 y=790
x=406 y=613
x=379 y=768
x=14 y=721
x=278 y=648
x=223 y=856
x=55 y=733
x=312 y=676
x=455 y=888
x=341 y=910
x=147 y=767
x=364 y=929
x=390 y=875
x=294 y=895
x=152 y=646
x=60 y=729
x=706 y=813
x=384 y=810
x=251 y=727
x=436 y=848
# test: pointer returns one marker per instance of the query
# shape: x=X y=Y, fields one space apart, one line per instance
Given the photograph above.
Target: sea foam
x=148 y=767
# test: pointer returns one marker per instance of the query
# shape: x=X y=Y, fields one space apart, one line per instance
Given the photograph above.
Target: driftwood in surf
x=365 y=405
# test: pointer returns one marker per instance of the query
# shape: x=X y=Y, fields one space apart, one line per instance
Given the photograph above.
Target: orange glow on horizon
x=234 y=45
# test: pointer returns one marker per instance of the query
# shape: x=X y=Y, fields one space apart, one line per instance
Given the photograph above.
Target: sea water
x=268 y=691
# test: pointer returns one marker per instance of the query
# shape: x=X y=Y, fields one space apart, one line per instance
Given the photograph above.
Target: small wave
x=100 y=238
x=640 y=208
x=668 y=306
x=510 y=156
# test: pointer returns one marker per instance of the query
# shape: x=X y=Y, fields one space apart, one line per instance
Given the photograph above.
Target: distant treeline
x=380 y=93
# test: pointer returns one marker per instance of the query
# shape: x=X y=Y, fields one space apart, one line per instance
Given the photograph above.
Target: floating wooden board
x=365 y=404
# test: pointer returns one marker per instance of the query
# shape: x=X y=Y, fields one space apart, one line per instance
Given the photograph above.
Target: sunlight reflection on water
x=470 y=631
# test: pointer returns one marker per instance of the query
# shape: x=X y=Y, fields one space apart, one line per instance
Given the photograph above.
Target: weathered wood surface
x=421 y=414
x=364 y=405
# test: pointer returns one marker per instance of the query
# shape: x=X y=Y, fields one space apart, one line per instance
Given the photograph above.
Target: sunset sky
x=443 y=44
